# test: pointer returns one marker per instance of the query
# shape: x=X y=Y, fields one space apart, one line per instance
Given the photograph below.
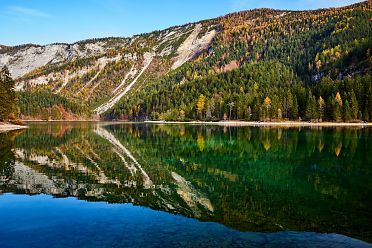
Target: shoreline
x=46 y=121
x=218 y=123
x=6 y=127
x=268 y=124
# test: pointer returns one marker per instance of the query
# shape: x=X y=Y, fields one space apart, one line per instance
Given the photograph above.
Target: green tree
x=294 y=109
x=347 y=114
x=208 y=113
x=56 y=113
x=368 y=105
x=311 y=107
x=8 y=98
x=354 y=106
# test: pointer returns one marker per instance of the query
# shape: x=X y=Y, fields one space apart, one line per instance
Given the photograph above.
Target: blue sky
x=49 y=21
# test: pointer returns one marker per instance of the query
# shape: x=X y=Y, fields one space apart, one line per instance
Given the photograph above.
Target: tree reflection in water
x=250 y=179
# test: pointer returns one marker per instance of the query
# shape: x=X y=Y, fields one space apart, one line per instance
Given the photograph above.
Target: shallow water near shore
x=146 y=185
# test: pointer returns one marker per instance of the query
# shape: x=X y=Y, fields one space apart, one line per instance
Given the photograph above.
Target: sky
x=67 y=21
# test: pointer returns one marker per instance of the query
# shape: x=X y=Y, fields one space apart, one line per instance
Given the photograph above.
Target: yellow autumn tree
x=267 y=102
x=200 y=105
x=321 y=105
x=339 y=99
x=338 y=107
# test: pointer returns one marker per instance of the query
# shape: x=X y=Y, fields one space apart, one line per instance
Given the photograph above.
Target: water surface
x=98 y=185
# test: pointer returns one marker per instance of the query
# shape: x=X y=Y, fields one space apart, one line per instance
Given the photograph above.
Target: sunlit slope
x=162 y=74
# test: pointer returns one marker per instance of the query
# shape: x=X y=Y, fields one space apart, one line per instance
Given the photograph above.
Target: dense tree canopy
x=262 y=64
x=46 y=105
x=306 y=63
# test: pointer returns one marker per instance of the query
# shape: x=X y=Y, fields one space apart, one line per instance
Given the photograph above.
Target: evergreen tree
x=208 y=113
x=368 y=115
x=8 y=99
x=336 y=110
x=311 y=109
x=354 y=106
x=329 y=109
x=347 y=114
x=294 y=109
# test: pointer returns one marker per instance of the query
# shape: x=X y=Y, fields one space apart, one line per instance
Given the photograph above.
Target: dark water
x=95 y=185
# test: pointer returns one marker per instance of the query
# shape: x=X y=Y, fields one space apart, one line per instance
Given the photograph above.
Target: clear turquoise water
x=94 y=185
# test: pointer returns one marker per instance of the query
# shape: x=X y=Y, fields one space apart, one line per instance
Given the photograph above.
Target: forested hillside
x=261 y=64
x=267 y=64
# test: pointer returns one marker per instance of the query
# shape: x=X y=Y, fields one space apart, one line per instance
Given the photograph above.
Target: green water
x=247 y=180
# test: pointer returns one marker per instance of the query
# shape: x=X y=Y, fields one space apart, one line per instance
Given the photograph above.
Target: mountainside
x=251 y=65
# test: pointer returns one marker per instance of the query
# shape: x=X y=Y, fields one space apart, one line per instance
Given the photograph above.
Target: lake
x=143 y=185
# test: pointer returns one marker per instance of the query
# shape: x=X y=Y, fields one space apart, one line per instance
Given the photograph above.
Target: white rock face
x=66 y=76
x=29 y=58
x=25 y=59
x=193 y=45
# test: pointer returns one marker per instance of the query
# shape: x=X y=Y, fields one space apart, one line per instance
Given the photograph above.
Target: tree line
x=263 y=91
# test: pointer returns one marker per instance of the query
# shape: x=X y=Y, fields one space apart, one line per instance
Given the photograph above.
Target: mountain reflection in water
x=248 y=179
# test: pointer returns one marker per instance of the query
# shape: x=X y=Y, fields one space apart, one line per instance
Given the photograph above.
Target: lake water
x=138 y=185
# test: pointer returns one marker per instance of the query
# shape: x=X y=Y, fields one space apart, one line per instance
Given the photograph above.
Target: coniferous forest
x=309 y=65
x=261 y=65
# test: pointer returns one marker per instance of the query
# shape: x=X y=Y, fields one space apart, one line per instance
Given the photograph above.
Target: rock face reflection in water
x=248 y=179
